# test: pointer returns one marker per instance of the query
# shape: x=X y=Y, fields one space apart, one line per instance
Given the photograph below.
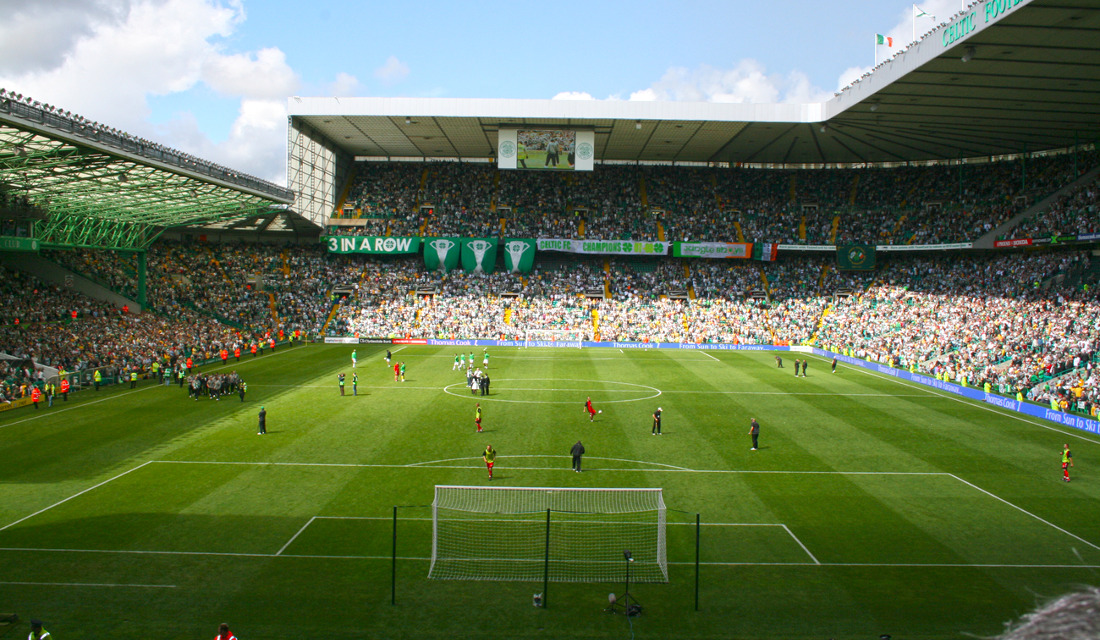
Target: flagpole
x=914 y=24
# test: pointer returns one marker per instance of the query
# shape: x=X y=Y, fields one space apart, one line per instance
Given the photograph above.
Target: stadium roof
x=93 y=186
x=1001 y=77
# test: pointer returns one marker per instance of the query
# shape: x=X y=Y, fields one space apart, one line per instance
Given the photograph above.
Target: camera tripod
x=626 y=603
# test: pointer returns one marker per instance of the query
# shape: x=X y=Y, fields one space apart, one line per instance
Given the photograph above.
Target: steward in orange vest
x=36 y=396
x=65 y=389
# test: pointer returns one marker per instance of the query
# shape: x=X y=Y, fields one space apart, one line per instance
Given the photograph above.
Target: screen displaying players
x=546 y=149
x=553 y=149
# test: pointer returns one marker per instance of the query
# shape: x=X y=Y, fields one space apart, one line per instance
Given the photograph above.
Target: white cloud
x=344 y=85
x=393 y=70
x=106 y=58
x=573 y=95
x=39 y=35
x=263 y=74
x=850 y=75
x=747 y=82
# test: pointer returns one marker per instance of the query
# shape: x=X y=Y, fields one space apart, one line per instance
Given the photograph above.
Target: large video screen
x=545 y=149
x=553 y=149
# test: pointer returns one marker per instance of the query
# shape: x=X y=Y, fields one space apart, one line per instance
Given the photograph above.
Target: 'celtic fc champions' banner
x=479 y=255
x=604 y=247
x=372 y=244
x=519 y=254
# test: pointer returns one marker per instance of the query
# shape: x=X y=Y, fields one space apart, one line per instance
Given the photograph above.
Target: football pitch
x=872 y=506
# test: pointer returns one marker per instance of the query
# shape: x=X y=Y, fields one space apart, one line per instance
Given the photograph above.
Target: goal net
x=553 y=338
x=503 y=533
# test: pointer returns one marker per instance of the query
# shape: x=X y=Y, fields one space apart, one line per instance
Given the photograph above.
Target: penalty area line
x=75 y=495
x=1025 y=511
x=295 y=536
x=791 y=534
x=479 y=467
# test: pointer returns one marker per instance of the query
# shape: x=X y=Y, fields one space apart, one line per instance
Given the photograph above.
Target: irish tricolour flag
x=886 y=40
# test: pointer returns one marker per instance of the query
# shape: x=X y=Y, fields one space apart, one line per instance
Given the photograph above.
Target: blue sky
x=211 y=77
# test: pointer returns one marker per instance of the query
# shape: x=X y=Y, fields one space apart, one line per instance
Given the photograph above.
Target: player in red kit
x=591 y=411
x=396 y=372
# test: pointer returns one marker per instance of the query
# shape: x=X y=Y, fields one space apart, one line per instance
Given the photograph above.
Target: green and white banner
x=442 y=253
x=712 y=249
x=604 y=247
x=855 y=256
x=479 y=255
x=519 y=254
x=373 y=244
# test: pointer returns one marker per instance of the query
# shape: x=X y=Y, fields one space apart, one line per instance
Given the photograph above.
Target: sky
x=212 y=77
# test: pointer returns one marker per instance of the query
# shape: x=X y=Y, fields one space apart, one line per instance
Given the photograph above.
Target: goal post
x=553 y=338
x=504 y=533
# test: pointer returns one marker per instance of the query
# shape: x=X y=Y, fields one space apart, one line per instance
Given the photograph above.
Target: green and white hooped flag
x=479 y=255
x=519 y=254
x=441 y=253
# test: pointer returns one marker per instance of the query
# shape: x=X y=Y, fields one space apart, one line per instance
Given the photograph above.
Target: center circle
x=460 y=390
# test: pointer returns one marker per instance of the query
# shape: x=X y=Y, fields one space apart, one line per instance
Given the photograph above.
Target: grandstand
x=936 y=221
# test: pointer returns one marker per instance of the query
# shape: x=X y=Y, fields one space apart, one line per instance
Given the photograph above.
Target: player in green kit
x=462 y=359
x=402 y=372
x=485 y=360
x=353 y=358
x=457 y=364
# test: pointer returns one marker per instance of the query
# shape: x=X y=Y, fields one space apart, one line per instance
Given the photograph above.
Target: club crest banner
x=479 y=255
x=441 y=253
x=519 y=254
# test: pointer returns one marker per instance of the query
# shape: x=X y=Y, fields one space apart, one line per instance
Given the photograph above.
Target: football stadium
x=569 y=369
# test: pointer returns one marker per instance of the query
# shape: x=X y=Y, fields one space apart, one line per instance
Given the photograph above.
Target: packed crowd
x=908 y=205
x=1075 y=213
x=1013 y=321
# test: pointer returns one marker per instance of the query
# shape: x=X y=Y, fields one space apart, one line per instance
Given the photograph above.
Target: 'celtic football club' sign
x=372 y=244
x=519 y=254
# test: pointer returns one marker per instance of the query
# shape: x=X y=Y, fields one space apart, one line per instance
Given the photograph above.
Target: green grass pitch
x=871 y=507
